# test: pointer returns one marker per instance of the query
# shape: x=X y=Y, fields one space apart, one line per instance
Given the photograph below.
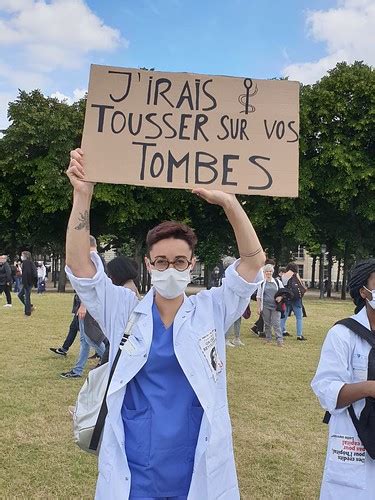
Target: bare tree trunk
x=138 y=257
x=206 y=276
x=62 y=275
x=345 y=271
x=54 y=270
x=313 y=270
x=338 y=275
x=321 y=276
x=143 y=283
x=329 y=277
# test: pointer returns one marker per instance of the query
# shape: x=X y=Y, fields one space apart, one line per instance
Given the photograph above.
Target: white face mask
x=170 y=283
x=371 y=302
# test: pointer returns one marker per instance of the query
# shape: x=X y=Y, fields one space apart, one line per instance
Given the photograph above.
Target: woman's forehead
x=171 y=247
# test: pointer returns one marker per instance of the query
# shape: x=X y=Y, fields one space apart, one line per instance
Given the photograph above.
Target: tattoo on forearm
x=83 y=219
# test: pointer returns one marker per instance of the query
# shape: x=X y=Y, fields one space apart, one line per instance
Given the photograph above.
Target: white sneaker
x=229 y=343
x=7 y=305
x=238 y=342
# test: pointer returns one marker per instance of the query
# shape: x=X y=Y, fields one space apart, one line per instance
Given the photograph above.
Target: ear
x=363 y=293
x=148 y=265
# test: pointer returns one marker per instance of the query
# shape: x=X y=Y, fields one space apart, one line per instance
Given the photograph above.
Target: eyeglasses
x=179 y=263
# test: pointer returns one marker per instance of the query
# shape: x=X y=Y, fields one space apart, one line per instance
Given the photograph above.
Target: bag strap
x=367 y=335
x=355 y=420
x=94 y=443
x=359 y=329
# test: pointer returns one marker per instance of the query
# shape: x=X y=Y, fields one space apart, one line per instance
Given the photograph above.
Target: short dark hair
x=171 y=229
x=122 y=269
x=359 y=276
x=291 y=266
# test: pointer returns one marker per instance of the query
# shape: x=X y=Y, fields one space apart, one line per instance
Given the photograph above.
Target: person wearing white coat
x=162 y=449
x=341 y=380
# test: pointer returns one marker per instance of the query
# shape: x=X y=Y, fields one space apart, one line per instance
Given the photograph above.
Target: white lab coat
x=349 y=472
x=202 y=319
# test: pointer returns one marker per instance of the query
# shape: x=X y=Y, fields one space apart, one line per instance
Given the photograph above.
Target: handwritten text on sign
x=183 y=130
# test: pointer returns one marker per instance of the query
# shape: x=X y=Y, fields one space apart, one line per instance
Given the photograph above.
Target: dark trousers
x=72 y=333
x=24 y=297
x=6 y=289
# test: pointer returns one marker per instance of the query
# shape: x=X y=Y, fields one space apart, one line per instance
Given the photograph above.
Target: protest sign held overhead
x=182 y=130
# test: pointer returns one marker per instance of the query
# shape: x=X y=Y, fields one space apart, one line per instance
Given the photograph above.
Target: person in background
x=5 y=280
x=292 y=281
x=41 y=271
x=215 y=277
x=266 y=304
x=344 y=381
x=123 y=272
x=72 y=332
x=17 y=276
x=236 y=327
x=29 y=275
x=85 y=321
x=282 y=271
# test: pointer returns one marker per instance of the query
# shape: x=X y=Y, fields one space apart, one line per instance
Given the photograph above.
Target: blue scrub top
x=162 y=417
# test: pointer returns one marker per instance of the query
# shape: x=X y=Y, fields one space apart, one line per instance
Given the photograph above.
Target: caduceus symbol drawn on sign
x=244 y=99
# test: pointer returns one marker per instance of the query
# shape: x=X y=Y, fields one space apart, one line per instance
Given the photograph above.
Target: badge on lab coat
x=346 y=449
x=359 y=363
x=207 y=345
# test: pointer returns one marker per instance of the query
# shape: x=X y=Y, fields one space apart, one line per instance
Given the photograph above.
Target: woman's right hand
x=76 y=173
x=81 y=313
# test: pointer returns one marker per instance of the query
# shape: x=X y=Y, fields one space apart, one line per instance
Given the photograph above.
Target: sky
x=50 y=44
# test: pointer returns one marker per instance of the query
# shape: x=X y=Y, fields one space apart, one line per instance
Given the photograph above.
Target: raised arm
x=250 y=250
x=77 y=236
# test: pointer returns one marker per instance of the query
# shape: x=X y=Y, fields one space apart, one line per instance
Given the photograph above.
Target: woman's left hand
x=215 y=197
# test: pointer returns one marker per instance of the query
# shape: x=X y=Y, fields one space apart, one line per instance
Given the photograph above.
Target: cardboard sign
x=181 y=130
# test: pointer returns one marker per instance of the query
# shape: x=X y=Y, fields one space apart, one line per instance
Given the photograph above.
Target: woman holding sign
x=168 y=431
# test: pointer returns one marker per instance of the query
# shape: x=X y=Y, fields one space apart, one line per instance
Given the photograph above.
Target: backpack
x=296 y=286
x=365 y=425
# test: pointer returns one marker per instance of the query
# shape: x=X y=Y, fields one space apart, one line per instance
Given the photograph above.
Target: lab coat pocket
x=195 y=419
x=359 y=363
x=105 y=471
x=137 y=426
x=346 y=463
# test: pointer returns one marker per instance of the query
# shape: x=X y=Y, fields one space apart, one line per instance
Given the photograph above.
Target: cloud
x=57 y=34
x=20 y=78
x=348 y=33
x=43 y=40
x=77 y=95
x=5 y=99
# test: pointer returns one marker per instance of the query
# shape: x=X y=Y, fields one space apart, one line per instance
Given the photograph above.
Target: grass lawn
x=279 y=438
